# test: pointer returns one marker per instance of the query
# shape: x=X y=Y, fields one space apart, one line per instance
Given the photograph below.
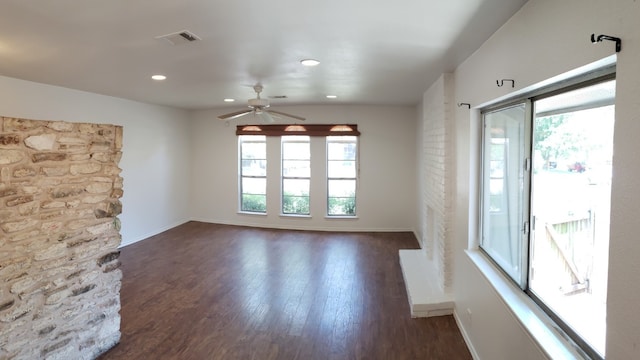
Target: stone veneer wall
x=59 y=270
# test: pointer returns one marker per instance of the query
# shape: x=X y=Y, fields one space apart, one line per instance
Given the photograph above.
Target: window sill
x=341 y=217
x=295 y=216
x=542 y=329
x=251 y=213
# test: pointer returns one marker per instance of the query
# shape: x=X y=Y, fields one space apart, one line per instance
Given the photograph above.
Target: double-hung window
x=341 y=175
x=546 y=185
x=253 y=173
x=296 y=174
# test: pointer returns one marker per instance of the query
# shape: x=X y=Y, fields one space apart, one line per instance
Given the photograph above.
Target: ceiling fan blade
x=234 y=114
x=285 y=114
x=266 y=117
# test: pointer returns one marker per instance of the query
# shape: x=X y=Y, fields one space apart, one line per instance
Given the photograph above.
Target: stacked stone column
x=60 y=281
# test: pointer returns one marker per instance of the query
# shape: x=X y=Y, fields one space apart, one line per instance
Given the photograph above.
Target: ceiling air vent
x=180 y=37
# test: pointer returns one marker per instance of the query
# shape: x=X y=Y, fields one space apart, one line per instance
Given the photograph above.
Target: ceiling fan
x=258 y=107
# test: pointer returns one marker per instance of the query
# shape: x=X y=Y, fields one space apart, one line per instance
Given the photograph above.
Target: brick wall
x=437 y=178
x=60 y=186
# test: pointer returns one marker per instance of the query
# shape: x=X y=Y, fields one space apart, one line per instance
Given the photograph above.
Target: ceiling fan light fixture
x=258 y=108
x=309 y=62
x=258 y=103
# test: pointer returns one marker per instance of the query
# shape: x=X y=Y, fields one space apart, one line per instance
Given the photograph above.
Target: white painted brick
x=437 y=194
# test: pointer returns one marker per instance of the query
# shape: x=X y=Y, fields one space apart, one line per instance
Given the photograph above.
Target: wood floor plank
x=209 y=291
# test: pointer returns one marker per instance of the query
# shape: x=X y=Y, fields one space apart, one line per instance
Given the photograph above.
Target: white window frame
x=299 y=139
x=241 y=176
x=350 y=140
x=521 y=165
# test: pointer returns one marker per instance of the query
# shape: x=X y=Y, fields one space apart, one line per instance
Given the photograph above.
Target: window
x=341 y=175
x=296 y=174
x=253 y=173
x=504 y=206
x=546 y=185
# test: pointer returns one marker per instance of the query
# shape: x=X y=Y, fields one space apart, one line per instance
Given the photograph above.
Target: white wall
x=386 y=200
x=155 y=161
x=544 y=39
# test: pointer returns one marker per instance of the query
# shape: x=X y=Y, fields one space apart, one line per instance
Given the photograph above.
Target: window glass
x=504 y=213
x=341 y=148
x=570 y=204
x=254 y=167
x=296 y=175
x=341 y=168
x=253 y=173
x=341 y=175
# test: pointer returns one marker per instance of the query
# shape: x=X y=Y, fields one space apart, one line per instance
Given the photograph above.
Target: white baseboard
x=152 y=233
x=299 y=227
x=465 y=336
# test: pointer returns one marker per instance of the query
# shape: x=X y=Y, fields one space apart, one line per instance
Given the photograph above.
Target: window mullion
x=526 y=208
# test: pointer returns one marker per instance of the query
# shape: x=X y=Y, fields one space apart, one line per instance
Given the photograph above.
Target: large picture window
x=253 y=173
x=546 y=185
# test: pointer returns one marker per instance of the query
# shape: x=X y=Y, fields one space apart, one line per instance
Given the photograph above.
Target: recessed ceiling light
x=332 y=96
x=309 y=62
x=158 y=77
x=229 y=100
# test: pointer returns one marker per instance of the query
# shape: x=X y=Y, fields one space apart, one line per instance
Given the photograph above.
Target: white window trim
x=303 y=216
x=356 y=178
x=241 y=177
x=282 y=177
x=251 y=213
x=341 y=217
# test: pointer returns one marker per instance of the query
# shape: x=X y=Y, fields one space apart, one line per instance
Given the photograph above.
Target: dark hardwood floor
x=207 y=291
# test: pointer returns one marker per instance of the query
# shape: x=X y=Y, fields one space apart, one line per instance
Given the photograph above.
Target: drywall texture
x=59 y=274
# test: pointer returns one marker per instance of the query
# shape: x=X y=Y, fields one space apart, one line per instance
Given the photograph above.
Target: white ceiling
x=371 y=51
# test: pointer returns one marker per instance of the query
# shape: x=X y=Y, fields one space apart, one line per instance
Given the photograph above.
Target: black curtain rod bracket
x=599 y=38
x=500 y=83
x=464 y=104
